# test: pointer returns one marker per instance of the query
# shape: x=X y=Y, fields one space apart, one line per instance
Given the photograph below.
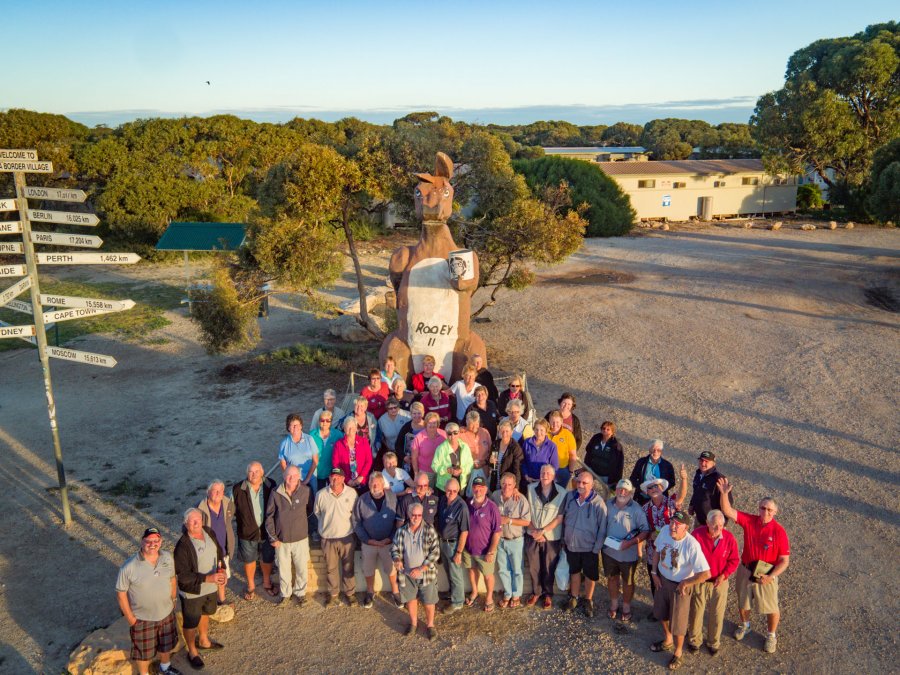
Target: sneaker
x=771 y=644
x=301 y=600
x=431 y=632
x=369 y=600
x=693 y=649
x=411 y=629
x=397 y=600
x=712 y=650
x=351 y=599
x=532 y=600
x=449 y=609
x=741 y=631
x=283 y=602
x=589 y=608
x=331 y=601
x=172 y=670
x=548 y=602
x=572 y=602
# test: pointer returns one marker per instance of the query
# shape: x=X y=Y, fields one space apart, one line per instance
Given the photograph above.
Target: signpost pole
x=41 y=335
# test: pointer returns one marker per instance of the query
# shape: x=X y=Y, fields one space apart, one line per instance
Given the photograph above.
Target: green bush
x=227 y=313
x=884 y=200
x=609 y=212
x=809 y=197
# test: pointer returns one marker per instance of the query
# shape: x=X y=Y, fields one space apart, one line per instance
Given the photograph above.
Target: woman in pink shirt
x=425 y=444
x=353 y=454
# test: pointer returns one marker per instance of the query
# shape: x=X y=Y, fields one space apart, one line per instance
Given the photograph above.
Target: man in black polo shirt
x=423 y=495
x=705 y=496
x=452 y=524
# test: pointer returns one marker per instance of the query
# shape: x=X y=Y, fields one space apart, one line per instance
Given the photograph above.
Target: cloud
x=714 y=111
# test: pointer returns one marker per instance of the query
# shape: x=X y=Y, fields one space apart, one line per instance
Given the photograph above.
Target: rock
x=748 y=225
x=665 y=227
x=107 y=651
x=374 y=296
x=807 y=227
x=832 y=225
x=390 y=299
x=224 y=614
x=849 y=225
x=775 y=226
x=347 y=328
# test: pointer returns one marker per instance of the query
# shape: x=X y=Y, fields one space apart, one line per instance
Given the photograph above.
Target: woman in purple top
x=538 y=450
x=218 y=514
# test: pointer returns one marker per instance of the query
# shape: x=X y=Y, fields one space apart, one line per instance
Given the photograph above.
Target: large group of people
x=423 y=474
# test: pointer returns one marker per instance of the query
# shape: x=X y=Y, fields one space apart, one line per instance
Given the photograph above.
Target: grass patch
x=334 y=358
x=128 y=487
x=152 y=300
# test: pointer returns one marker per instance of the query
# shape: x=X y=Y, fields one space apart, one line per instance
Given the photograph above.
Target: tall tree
x=840 y=101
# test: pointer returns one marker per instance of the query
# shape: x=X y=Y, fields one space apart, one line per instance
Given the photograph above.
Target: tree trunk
x=364 y=319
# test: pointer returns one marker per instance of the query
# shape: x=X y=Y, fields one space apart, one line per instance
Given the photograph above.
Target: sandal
x=489 y=607
x=504 y=603
x=662 y=646
x=514 y=603
x=470 y=601
x=675 y=663
x=612 y=613
x=270 y=590
x=249 y=595
x=626 y=617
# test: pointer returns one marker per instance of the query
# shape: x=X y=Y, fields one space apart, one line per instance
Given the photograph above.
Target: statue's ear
x=424 y=177
x=443 y=166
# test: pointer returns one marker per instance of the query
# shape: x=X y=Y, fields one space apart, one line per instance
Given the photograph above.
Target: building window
x=678 y=184
x=719 y=183
x=649 y=183
x=750 y=180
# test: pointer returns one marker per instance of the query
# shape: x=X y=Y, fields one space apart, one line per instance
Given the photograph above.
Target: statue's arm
x=399 y=260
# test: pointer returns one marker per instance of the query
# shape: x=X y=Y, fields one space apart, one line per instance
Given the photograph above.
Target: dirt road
x=761 y=346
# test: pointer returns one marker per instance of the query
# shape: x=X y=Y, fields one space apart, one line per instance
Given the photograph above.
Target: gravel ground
x=761 y=346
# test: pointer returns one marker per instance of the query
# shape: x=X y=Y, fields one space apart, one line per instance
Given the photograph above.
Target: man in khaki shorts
x=375 y=515
x=765 y=557
x=678 y=566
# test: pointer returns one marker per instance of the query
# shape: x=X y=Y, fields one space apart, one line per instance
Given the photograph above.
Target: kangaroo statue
x=432 y=307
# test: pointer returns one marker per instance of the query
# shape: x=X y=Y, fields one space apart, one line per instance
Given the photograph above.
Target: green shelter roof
x=202 y=237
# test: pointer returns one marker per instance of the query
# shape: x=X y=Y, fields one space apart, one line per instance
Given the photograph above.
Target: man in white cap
x=626 y=528
x=659 y=509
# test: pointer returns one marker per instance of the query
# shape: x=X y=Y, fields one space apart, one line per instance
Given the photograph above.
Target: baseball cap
x=478 y=480
x=337 y=471
x=706 y=454
x=625 y=483
x=149 y=531
x=681 y=517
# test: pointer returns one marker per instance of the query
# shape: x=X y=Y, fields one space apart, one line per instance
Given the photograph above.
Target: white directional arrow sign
x=20 y=306
x=8 y=331
x=87 y=303
x=13 y=271
x=25 y=155
x=63 y=239
x=54 y=194
x=8 y=166
x=82 y=357
x=8 y=205
x=65 y=217
x=87 y=258
x=10 y=247
x=15 y=290
x=27 y=338
x=10 y=227
x=74 y=313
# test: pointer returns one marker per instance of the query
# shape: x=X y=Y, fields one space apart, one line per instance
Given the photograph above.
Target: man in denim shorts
x=146 y=590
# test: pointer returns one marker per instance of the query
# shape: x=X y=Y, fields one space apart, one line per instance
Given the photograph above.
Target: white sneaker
x=741 y=631
x=771 y=643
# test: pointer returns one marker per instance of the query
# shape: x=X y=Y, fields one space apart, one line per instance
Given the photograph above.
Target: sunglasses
x=452 y=433
x=324 y=420
x=515 y=386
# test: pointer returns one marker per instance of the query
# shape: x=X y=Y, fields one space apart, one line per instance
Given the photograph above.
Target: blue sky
x=105 y=61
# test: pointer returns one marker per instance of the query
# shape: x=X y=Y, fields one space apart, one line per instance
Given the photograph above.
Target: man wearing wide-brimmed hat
x=659 y=509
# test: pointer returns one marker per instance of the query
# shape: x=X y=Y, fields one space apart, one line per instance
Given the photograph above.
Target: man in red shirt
x=720 y=549
x=766 y=542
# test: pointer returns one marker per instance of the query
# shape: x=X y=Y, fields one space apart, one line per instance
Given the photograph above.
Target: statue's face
x=434 y=199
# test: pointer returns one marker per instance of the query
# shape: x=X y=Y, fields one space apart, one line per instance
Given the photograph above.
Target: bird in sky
x=207 y=82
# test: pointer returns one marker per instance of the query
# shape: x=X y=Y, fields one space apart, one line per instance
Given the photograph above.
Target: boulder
x=807 y=227
x=107 y=651
x=849 y=225
x=665 y=227
x=775 y=226
x=832 y=225
x=347 y=328
x=374 y=296
x=748 y=225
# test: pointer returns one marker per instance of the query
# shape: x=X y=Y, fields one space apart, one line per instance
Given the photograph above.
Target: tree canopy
x=839 y=103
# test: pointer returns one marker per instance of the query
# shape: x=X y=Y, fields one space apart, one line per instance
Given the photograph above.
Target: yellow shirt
x=565 y=445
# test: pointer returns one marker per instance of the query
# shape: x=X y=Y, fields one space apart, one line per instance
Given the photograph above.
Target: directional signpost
x=20 y=162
